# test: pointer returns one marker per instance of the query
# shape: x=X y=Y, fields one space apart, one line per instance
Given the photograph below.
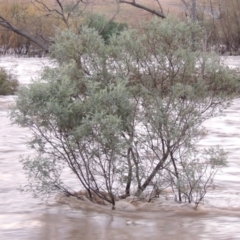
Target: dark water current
x=23 y=217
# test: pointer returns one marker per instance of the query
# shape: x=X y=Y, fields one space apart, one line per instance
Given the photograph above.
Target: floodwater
x=23 y=217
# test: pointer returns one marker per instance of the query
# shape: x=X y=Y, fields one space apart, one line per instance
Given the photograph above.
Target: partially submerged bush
x=8 y=83
x=125 y=117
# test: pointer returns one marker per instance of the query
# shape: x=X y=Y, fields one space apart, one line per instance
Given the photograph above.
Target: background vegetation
x=8 y=83
x=220 y=20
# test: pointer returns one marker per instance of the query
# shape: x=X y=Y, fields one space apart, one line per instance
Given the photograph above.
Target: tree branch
x=133 y=3
x=4 y=23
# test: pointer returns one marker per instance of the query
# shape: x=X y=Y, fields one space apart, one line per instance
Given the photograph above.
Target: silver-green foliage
x=127 y=115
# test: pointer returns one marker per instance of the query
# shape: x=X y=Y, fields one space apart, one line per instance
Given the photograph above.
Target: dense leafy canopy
x=125 y=117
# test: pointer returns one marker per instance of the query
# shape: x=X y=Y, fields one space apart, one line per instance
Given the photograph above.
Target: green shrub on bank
x=103 y=26
x=8 y=83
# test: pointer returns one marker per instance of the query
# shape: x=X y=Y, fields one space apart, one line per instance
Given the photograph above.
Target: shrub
x=125 y=117
x=8 y=83
x=104 y=27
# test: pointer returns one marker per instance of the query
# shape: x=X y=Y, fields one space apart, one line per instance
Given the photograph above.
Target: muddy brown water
x=23 y=217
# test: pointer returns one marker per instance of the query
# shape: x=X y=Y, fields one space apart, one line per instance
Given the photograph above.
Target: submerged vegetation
x=8 y=83
x=125 y=117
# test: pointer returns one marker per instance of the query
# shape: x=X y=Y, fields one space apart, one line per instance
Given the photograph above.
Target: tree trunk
x=152 y=175
x=4 y=23
x=193 y=13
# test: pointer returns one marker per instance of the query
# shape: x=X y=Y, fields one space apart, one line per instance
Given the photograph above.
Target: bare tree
x=61 y=11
